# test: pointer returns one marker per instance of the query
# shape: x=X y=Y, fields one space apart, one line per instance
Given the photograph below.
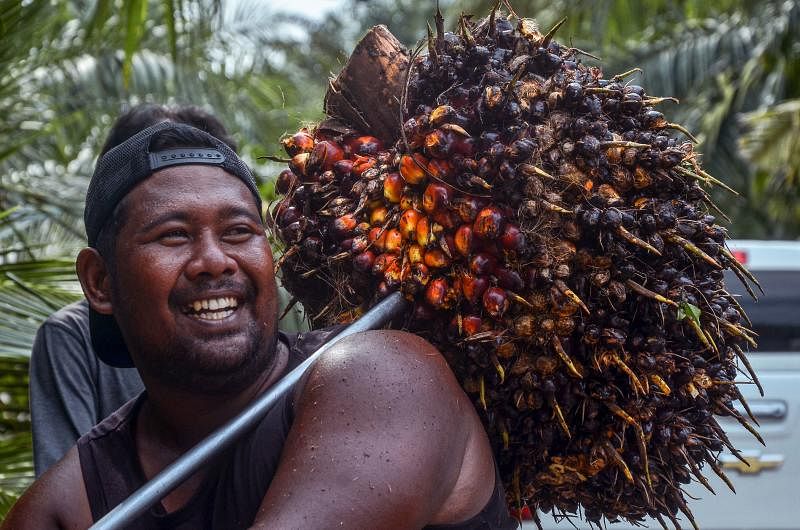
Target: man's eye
x=238 y=233
x=173 y=236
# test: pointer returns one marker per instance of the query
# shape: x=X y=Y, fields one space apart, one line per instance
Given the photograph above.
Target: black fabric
x=130 y=162
x=236 y=483
x=116 y=174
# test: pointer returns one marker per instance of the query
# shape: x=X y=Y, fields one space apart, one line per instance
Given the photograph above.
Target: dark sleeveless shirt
x=235 y=483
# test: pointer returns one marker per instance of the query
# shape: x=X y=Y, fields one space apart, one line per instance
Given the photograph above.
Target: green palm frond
x=772 y=141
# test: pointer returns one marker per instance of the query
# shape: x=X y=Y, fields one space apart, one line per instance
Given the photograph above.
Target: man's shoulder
x=372 y=359
x=56 y=500
x=74 y=316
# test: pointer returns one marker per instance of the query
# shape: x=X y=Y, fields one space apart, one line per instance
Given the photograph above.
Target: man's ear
x=95 y=281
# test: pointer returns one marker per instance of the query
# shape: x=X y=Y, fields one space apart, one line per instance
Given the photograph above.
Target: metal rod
x=184 y=467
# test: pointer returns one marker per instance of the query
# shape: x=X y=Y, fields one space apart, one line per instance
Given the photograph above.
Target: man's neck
x=171 y=421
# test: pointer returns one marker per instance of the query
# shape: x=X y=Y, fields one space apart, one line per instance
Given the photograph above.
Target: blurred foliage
x=68 y=67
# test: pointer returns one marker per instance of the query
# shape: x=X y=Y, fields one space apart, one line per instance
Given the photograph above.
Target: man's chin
x=216 y=365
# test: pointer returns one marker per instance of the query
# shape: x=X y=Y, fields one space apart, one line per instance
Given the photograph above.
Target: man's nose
x=209 y=258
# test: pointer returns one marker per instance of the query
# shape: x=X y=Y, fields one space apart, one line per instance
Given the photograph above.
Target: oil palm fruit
x=555 y=234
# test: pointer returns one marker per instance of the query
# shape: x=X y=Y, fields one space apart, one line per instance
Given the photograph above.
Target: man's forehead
x=191 y=186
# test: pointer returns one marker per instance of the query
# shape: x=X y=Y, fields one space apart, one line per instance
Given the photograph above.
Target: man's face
x=193 y=288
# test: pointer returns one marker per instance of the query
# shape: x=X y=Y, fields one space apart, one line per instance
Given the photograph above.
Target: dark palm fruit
x=495 y=302
x=324 y=155
x=285 y=181
x=550 y=234
x=473 y=287
x=512 y=239
x=364 y=261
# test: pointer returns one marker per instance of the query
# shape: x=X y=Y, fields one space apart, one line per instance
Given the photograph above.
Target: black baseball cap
x=117 y=172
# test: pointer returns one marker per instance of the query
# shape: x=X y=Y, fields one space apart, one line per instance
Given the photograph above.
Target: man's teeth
x=221 y=307
x=217 y=315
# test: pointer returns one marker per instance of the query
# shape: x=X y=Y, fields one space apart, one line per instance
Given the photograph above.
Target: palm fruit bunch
x=552 y=229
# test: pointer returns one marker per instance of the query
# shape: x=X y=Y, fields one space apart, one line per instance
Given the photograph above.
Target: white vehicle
x=768 y=490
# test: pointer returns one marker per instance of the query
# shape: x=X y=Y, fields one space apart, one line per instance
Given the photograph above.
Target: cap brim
x=107 y=340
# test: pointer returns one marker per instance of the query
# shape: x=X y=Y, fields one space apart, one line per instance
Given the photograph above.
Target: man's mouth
x=212 y=308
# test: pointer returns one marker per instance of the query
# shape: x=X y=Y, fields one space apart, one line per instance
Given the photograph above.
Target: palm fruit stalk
x=556 y=235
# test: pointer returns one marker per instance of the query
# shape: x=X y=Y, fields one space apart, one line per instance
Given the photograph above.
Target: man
x=71 y=388
x=178 y=275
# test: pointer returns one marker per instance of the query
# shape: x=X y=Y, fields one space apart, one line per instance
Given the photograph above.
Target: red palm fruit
x=382 y=262
x=473 y=287
x=377 y=236
x=424 y=233
x=359 y=244
x=285 y=181
x=436 y=259
x=420 y=276
x=471 y=324
x=346 y=245
x=512 y=239
x=363 y=228
x=364 y=261
x=438 y=294
x=440 y=168
x=343 y=226
x=495 y=301
x=408 y=223
x=410 y=201
x=324 y=155
x=393 y=187
x=413 y=169
x=377 y=216
x=342 y=168
x=361 y=164
x=482 y=264
x=445 y=218
x=462 y=240
x=393 y=241
x=364 y=145
x=438 y=144
x=299 y=163
x=489 y=223
x=299 y=142
x=393 y=273
x=436 y=197
x=440 y=115
x=414 y=253
x=509 y=279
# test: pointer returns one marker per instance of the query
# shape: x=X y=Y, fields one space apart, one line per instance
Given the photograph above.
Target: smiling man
x=178 y=275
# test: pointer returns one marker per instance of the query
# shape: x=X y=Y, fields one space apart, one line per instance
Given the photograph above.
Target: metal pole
x=191 y=461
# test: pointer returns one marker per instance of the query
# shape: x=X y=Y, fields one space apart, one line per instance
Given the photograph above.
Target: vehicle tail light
x=740 y=255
